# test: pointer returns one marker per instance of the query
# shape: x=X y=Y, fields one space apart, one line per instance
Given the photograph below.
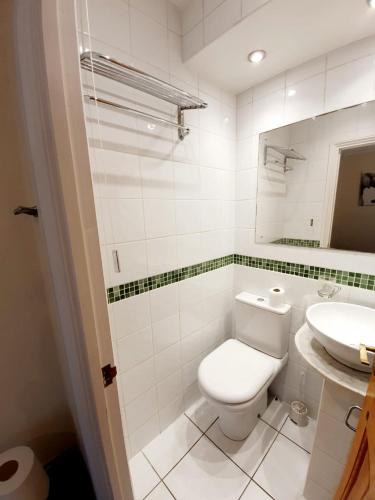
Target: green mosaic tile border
x=297 y=243
x=358 y=280
x=127 y=290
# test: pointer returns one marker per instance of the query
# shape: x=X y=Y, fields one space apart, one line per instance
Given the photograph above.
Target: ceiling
x=291 y=31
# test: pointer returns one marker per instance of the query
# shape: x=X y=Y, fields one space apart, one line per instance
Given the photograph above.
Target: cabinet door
x=358 y=481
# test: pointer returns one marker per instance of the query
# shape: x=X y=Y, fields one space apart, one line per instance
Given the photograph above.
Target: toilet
x=234 y=378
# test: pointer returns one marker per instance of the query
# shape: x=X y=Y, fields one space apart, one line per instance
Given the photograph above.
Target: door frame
x=331 y=184
x=50 y=94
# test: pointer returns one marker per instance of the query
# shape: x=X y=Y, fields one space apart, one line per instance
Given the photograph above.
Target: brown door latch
x=109 y=373
x=363 y=353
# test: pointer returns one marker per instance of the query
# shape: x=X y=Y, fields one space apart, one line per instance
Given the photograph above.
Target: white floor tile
x=276 y=413
x=253 y=492
x=248 y=453
x=172 y=444
x=283 y=472
x=205 y=473
x=144 y=478
x=159 y=493
x=202 y=414
x=304 y=436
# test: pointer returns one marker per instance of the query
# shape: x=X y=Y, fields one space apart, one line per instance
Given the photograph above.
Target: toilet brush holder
x=298 y=413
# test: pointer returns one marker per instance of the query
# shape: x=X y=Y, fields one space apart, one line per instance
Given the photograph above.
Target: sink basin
x=341 y=328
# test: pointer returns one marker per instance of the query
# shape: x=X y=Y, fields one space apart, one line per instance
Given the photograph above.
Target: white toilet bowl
x=234 y=378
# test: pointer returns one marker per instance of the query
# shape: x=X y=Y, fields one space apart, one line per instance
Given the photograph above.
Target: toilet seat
x=235 y=373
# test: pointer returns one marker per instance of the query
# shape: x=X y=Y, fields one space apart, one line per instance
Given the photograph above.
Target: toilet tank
x=262 y=326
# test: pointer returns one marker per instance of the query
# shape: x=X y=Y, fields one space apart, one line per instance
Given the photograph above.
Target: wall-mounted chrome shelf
x=137 y=79
x=287 y=153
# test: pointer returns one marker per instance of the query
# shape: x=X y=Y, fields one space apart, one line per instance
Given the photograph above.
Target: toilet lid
x=235 y=372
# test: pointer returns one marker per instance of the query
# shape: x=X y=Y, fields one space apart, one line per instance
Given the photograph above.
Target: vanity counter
x=316 y=356
x=343 y=387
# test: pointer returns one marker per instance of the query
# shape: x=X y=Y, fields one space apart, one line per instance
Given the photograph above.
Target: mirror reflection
x=316 y=182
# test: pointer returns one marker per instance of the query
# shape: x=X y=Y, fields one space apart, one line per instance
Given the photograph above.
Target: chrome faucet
x=329 y=290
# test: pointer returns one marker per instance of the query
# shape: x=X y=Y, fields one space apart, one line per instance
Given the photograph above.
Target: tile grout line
x=160 y=482
x=204 y=434
x=242 y=494
x=231 y=459
x=228 y=457
x=265 y=491
x=291 y=440
x=180 y=460
x=273 y=442
x=265 y=455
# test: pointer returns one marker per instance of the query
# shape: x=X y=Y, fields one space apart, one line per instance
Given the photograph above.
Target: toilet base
x=237 y=423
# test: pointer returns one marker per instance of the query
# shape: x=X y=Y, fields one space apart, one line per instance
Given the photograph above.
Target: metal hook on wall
x=33 y=211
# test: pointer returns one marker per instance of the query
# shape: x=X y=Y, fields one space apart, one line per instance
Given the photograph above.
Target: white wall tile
x=352 y=52
x=193 y=41
x=157 y=9
x=221 y=19
x=189 y=249
x=148 y=195
x=121 y=173
x=149 y=39
x=269 y=87
x=171 y=412
x=249 y=6
x=160 y=219
x=164 y=302
x=174 y=19
x=166 y=332
x=188 y=216
x=304 y=99
x=132 y=259
x=157 y=178
x=134 y=349
x=192 y=15
x=168 y=361
x=162 y=255
x=131 y=315
x=107 y=22
x=138 y=380
x=169 y=389
x=127 y=220
x=144 y=434
x=350 y=84
x=139 y=411
x=306 y=70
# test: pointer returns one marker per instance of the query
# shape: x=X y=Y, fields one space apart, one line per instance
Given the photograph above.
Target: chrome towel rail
x=147 y=116
x=137 y=79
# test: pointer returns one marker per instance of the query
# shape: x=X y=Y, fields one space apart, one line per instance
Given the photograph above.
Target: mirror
x=316 y=182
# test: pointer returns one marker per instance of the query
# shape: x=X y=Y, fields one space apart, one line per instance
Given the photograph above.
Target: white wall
x=34 y=409
x=162 y=204
x=342 y=78
x=287 y=203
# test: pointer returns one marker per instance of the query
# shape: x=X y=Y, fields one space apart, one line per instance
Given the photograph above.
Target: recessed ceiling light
x=292 y=92
x=371 y=3
x=258 y=55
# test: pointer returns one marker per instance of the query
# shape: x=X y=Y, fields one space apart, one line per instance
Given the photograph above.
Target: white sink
x=341 y=328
